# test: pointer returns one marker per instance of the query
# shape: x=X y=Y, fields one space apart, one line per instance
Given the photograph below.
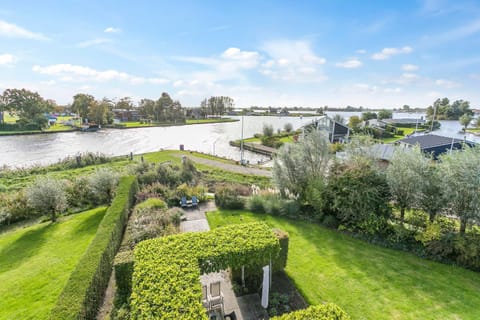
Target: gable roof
x=432 y=140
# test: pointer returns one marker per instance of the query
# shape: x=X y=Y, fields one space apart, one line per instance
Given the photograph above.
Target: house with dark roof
x=434 y=144
x=336 y=131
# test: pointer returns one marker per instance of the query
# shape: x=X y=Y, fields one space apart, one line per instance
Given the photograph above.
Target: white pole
x=241 y=144
x=451 y=146
x=416 y=126
x=434 y=114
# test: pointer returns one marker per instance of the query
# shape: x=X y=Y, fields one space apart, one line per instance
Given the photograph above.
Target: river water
x=27 y=150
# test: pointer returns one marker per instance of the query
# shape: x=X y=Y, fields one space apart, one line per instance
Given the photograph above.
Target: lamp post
x=214 y=145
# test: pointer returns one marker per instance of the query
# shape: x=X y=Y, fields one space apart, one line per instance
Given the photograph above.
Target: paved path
x=231 y=167
x=194 y=219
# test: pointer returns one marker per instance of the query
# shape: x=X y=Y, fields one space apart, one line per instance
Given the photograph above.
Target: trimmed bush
x=84 y=291
x=123 y=266
x=166 y=271
x=327 y=311
x=280 y=262
x=228 y=198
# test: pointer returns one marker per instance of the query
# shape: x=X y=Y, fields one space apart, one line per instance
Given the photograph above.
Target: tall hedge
x=83 y=293
x=166 y=271
x=327 y=311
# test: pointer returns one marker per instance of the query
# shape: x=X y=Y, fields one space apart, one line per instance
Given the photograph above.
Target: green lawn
x=35 y=263
x=406 y=131
x=367 y=281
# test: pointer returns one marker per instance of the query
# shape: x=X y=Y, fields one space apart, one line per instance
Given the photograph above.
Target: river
x=27 y=150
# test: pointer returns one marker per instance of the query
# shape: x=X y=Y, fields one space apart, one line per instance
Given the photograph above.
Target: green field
x=406 y=132
x=35 y=263
x=367 y=281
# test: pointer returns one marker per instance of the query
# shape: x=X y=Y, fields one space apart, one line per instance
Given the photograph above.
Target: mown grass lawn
x=35 y=263
x=406 y=131
x=368 y=282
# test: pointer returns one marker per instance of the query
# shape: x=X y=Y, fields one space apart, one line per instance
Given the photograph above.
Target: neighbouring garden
x=36 y=263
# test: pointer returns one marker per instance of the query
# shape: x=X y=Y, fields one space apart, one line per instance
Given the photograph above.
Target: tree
x=48 y=196
x=447 y=111
x=354 y=123
x=465 y=121
x=100 y=112
x=29 y=106
x=103 y=184
x=431 y=195
x=288 y=127
x=461 y=180
x=385 y=114
x=404 y=177
x=298 y=165
x=82 y=103
x=358 y=195
x=368 y=115
x=124 y=103
x=146 y=107
x=406 y=108
x=218 y=105
x=267 y=130
x=161 y=105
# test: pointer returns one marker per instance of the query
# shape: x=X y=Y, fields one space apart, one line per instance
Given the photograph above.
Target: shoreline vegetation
x=124 y=125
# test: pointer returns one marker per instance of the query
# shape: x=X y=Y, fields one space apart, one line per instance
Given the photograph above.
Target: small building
x=434 y=144
x=336 y=131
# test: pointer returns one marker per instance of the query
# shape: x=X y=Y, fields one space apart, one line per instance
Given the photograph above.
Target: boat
x=91 y=128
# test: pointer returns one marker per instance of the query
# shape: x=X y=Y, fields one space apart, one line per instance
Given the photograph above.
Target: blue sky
x=293 y=53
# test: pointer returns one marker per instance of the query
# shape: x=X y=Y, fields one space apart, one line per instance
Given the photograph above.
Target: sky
x=263 y=53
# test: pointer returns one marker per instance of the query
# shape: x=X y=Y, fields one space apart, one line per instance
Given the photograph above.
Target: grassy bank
x=37 y=261
x=367 y=281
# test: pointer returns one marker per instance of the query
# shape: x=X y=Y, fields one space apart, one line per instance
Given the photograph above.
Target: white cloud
x=361 y=51
x=393 y=90
x=350 y=64
x=447 y=84
x=243 y=59
x=386 y=53
x=292 y=61
x=364 y=87
x=10 y=30
x=93 y=42
x=409 y=67
x=7 y=59
x=112 y=30
x=74 y=73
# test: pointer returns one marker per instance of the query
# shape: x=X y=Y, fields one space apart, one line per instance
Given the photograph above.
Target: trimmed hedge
x=327 y=311
x=166 y=273
x=85 y=288
x=123 y=266
x=280 y=262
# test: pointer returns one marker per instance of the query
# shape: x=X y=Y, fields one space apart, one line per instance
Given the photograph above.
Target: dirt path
x=231 y=167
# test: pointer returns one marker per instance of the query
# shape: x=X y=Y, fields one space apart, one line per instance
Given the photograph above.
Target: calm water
x=208 y=138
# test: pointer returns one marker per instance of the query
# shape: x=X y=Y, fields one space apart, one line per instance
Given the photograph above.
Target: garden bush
x=123 y=266
x=227 y=198
x=327 y=311
x=14 y=208
x=47 y=196
x=166 y=271
x=102 y=184
x=84 y=290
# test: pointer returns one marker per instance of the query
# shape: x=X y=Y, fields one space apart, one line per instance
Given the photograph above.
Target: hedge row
x=166 y=273
x=85 y=288
x=327 y=311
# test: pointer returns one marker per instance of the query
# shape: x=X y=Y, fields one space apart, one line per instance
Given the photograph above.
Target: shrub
x=154 y=190
x=330 y=221
x=103 y=183
x=278 y=304
x=84 y=290
x=47 y=196
x=288 y=127
x=79 y=194
x=166 y=271
x=267 y=130
x=327 y=311
x=14 y=208
x=123 y=266
x=227 y=198
x=152 y=203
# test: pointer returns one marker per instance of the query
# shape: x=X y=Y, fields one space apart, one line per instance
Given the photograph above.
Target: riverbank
x=123 y=125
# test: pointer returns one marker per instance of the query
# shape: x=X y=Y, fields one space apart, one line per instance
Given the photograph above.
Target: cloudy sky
x=335 y=53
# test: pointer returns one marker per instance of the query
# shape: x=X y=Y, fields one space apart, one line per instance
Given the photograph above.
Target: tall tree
x=385 y=114
x=465 y=121
x=100 y=112
x=146 y=107
x=164 y=102
x=404 y=177
x=29 y=106
x=82 y=103
x=462 y=184
x=125 y=103
x=431 y=196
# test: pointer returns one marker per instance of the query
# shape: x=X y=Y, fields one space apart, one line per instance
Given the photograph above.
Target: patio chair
x=183 y=202
x=216 y=296
x=205 y=301
x=194 y=201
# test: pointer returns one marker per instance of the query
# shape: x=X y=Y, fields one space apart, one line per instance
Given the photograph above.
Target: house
x=405 y=122
x=337 y=132
x=126 y=115
x=434 y=144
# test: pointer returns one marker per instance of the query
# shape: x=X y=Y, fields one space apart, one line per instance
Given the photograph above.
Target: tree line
x=31 y=108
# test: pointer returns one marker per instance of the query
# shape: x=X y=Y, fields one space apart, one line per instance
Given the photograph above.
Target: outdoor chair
x=205 y=301
x=216 y=296
x=183 y=202
x=194 y=201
